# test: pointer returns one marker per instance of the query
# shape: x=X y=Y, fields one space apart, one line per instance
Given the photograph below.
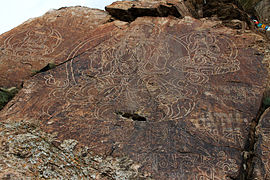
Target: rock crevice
x=133 y=116
x=247 y=168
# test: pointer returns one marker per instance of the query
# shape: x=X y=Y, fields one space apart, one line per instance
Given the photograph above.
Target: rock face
x=260 y=8
x=153 y=98
x=262 y=155
x=263 y=11
x=43 y=40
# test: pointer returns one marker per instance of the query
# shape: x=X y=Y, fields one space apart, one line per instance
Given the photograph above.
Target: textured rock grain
x=27 y=152
x=176 y=96
x=262 y=151
x=154 y=97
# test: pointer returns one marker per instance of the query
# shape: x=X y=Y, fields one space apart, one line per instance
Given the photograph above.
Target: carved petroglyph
x=221 y=127
x=157 y=76
x=170 y=72
x=172 y=150
x=209 y=54
x=234 y=92
x=40 y=42
x=30 y=44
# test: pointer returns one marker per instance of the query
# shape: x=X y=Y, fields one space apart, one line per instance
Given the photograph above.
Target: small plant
x=6 y=95
x=266 y=99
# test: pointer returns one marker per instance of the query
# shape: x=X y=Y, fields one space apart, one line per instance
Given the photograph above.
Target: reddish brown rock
x=46 y=39
x=175 y=96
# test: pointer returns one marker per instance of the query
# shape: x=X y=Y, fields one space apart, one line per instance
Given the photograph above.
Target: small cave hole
x=133 y=116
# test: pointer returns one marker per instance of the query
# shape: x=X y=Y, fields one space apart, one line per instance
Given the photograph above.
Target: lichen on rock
x=27 y=152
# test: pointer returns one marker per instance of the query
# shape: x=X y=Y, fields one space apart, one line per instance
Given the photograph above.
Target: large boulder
x=152 y=98
x=175 y=96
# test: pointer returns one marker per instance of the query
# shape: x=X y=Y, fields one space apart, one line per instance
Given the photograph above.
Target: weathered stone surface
x=46 y=39
x=248 y=5
x=228 y=12
x=262 y=150
x=175 y=96
x=260 y=8
x=26 y=152
x=223 y=9
x=263 y=11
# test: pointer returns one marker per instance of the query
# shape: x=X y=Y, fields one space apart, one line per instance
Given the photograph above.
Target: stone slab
x=175 y=96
